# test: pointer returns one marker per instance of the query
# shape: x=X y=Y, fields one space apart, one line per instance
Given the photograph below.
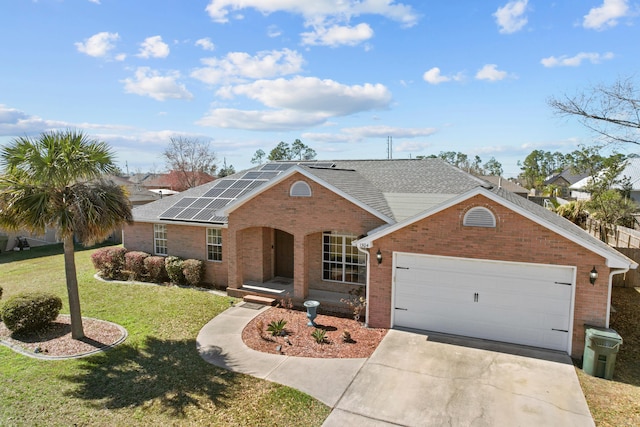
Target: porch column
x=300 y=266
x=234 y=263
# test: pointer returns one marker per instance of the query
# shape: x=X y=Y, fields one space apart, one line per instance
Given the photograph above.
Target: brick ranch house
x=434 y=248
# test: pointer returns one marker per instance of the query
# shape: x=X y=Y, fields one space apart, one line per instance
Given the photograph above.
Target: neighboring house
x=435 y=248
x=174 y=180
x=631 y=172
x=499 y=181
x=564 y=180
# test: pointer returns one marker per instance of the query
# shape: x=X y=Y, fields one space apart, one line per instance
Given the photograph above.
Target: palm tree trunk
x=77 y=332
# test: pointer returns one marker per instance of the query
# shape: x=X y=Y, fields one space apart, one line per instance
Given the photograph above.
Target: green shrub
x=173 y=265
x=29 y=312
x=134 y=264
x=276 y=327
x=193 y=271
x=154 y=265
x=110 y=262
x=320 y=335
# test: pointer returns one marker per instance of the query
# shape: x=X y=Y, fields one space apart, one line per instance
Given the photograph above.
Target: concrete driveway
x=414 y=379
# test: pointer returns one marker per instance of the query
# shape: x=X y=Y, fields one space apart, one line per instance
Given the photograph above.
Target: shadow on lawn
x=168 y=373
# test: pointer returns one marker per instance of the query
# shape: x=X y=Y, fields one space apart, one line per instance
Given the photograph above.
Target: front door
x=283 y=254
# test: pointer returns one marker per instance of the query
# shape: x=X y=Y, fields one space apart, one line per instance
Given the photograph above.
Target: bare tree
x=613 y=112
x=191 y=159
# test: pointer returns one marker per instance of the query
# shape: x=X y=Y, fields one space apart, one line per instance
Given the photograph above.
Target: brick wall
x=182 y=241
x=303 y=217
x=515 y=239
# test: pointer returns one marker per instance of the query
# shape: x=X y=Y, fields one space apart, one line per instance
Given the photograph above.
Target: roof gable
x=525 y=208
x=311 y=176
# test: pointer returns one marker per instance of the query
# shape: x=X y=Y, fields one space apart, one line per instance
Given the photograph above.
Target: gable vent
x=479 y=217
x=300 y=189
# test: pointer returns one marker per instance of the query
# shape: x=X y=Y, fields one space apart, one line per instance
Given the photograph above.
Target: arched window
x=479 y=217
x=300 y=189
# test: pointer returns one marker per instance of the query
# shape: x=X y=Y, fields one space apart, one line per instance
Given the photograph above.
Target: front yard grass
x=156 y=377
x=616 y=403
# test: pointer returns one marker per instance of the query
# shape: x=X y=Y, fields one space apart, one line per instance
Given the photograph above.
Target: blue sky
x=341 y=75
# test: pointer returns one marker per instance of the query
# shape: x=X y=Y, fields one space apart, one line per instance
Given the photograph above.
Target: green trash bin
x=600 y=349
x=3 y=243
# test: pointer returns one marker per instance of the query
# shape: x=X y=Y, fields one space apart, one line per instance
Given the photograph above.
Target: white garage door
x=520 y=303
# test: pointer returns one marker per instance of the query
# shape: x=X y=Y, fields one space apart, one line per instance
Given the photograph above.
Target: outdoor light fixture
x=593 y=275
x=379 y=256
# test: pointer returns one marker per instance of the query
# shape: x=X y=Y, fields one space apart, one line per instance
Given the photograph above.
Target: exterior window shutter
x=479 y=217
x=300 y=189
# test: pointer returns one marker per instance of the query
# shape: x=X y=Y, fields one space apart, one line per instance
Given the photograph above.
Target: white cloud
x=267 y=120
x=434 y=76
x=153 y=47
x=384 y=131
x=575 y=61
x=274 y=31
x=205 y=43
x=490 y=72
x=121 y=57
x=606 y=15
x=337 y=35
x=511 y=17
x=94 y=1
x=313 y=95
x=14 y=122
x=296 y=103
x=98 y=45
x=239 y=66
x=317 y=10
x=148 y=82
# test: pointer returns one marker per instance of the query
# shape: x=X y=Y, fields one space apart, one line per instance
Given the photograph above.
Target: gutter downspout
x=367 y=258
x=616 y=271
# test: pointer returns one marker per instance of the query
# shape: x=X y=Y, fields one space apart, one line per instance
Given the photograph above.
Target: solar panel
x=214 y=192
x=227 y=190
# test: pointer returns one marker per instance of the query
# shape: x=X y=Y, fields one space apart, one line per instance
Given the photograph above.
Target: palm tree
x=55 y=181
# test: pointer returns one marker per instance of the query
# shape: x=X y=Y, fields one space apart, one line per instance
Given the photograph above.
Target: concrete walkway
x=220 y=343
x=414 y=379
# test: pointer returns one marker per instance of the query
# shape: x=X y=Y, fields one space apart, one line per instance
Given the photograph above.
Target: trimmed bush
x=30 y=312
x=156 y=269
x=193 y=271
x=134 y=264
x=173 y=264
x=110 y=262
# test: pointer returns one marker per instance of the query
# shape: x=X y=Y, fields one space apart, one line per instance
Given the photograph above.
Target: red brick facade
x=248 y=246
x=515 y=239
x=182 y=241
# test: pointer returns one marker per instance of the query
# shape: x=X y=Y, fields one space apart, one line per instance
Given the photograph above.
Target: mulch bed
x=299 y=342
x=56 y=340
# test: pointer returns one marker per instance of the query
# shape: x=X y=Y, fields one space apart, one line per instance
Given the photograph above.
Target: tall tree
x=54 y=181
x=539 y=165
x=226 y=170
x=301 y=151
x=258 y=156
x=282 y=151
x=192 y=159
x=611 y=111
x=492 y=167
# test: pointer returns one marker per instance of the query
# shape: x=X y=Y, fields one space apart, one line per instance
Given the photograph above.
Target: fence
x=624 y=240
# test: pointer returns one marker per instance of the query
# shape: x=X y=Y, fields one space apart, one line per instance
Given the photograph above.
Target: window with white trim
x=160 y=239
x=479 y=217
x=214 y=244
x=341 y=261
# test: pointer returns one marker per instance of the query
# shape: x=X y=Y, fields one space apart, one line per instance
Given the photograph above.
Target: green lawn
x=155 y=378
